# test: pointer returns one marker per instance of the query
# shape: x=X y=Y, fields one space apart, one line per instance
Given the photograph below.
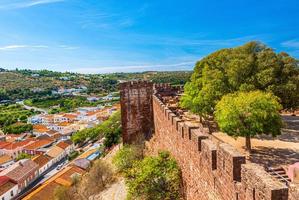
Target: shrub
x=126 y=156
x=154 y=178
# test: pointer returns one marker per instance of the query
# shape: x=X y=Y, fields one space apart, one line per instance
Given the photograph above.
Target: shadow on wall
x=273 y=157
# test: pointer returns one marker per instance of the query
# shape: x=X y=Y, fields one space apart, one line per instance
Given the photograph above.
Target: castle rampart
x=211 y=169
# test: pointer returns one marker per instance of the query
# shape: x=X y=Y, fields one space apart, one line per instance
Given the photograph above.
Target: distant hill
x=23 y=84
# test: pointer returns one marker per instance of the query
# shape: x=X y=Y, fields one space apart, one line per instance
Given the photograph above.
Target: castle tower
x=136 y=111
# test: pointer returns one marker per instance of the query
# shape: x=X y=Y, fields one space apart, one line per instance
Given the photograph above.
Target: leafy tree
x=154 y=178
x=110 y=129
x=253 y=66
x=23 y=156
x=249 y=113
x=18 y=128
x=126 y=156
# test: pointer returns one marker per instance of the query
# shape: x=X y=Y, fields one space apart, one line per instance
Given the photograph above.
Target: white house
x=9 y=188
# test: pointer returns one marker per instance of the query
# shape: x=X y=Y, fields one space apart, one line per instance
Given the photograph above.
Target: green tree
x=247 y=114
x=154 y=178
x=23 y=156
x=126 y=156
x=252 y=66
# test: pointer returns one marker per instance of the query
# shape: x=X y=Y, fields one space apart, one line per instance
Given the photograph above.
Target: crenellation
x=258 y=184
x=209 y=151
x=211 y=169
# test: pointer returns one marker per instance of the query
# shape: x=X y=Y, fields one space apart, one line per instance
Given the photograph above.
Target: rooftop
x=15 y=145
x=4 y=159
x=55 y=151
x=62 y=145
x=38 y=144
x=5 y=184
x=40 y=128
x=19 y=169
x=41 y=160
x=46 y=190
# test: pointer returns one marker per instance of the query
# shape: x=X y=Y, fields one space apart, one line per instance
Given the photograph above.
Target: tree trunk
x=248 y=143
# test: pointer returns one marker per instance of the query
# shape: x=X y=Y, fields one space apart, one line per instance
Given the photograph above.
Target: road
x=44 y=111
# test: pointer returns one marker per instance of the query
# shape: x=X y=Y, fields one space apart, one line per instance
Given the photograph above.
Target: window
x=3 y=198
x=11 y=193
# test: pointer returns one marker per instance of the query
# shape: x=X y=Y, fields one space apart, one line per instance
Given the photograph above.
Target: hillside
x=23 y=84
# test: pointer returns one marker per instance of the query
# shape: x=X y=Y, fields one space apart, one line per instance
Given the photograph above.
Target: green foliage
x=11 y=114
x=110 y=129
x=250 y=67
x=18 y=128
x=73 y=155
x=23 y=156
x=126 y=156
x=249 y=113
x=154 y=178
x=61 y=103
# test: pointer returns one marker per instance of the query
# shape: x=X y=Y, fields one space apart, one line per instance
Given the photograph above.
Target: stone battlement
x=211 y=169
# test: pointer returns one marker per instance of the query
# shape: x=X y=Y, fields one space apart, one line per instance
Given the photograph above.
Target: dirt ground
x=268 y=151
x=117 y=190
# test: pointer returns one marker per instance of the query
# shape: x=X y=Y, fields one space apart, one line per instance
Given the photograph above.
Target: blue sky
x=100 y=36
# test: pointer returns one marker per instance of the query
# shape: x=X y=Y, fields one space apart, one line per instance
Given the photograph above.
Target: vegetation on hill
x=248 y=114
x=59 y=104
x=24 y=84
x=151 y=177
x=110 y=129
x=13 y=118
x=253 y=66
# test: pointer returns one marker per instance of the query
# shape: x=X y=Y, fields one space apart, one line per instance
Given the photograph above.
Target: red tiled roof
x=20 y=169
x=3 y=180
x=15 y=145
x=40 y=128
x=5 y=184
x=41 y=160
x=3 y=144
x=64 y=124
x=70 y=116
x=62 y=145
x=38 y=144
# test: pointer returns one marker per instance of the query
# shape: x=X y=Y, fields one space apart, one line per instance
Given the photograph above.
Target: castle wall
x=210 y=170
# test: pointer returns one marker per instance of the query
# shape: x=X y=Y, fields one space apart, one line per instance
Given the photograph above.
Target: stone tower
x=136 y=111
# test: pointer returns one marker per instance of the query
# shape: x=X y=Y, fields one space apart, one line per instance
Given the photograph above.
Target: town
x=29 y=159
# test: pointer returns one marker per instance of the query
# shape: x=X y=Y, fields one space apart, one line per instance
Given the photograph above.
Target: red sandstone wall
x=136 y=110
x=210 y=171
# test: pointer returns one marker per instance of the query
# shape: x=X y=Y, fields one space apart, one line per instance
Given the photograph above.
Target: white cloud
x=135 y=68
x=290 y=44
x=16 y=4
x=67 y=47
x=16 y=47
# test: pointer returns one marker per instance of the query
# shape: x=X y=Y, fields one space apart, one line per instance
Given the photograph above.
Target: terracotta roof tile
x=54 y=151
x=5 y=184
x=15 y=145
x=41 y=160
x=3 y=144
x=38 y=144
x=62 y=145
x=46 y=190
x=20 y=169
x=4 y=159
